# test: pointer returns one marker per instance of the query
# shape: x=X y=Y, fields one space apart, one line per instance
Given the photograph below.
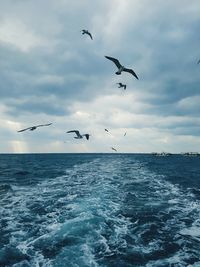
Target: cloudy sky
x=50 y=72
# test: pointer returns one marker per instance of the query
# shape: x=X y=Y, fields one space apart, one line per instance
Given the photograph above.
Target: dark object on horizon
x=87 y=32
x=32 y=128
x=191 y=154
x=121 y=85
x=106 y=130
x=78 y=135
x=114 y=149
x=121 y=68
x=162 y=154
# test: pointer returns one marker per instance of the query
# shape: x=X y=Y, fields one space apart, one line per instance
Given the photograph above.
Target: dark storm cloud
x=40 y=106
x=47 y=66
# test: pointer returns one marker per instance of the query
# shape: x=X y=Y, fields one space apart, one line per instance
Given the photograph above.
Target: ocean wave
x=114 y=212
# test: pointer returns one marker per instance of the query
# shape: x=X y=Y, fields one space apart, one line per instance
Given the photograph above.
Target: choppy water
x=108 y=210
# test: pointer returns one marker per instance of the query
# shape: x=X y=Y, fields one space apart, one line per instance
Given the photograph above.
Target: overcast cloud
x=50 y=72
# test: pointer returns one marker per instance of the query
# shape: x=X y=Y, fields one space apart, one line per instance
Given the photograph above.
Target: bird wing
x=116 y=61
x=132 y=72
x=75 y=131
x=40 y=125
x=24 y=129
x=89 y=35
x=114 y=149
x=87 y=136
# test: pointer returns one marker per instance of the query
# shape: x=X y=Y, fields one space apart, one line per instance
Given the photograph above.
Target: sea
x=99 y=210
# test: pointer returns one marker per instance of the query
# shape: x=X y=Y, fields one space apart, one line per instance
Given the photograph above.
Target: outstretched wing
x=43 y=125
x=114 y=149
x=75 y=131
x=24 y=129
x=116 y=61
x=89 y=35
x=132 y=72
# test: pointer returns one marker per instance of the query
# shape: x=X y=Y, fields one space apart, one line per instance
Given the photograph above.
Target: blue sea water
x=106 y=210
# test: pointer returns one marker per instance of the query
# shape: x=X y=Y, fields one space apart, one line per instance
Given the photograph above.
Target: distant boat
x=162 y=154
x=194 y=154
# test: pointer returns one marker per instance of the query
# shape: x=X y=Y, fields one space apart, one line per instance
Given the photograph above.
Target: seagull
x=78 y=135
x=114 y=149
x=122 y=85
x=106 y=130
x=32 y=128
x=87 y=32
x=121 y=68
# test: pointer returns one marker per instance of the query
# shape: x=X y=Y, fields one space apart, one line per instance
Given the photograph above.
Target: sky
x=51 y=73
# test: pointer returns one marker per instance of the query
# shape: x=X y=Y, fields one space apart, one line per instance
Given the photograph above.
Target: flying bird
x=121 y=68
x=87 y=32
x=78 y=135
x=121 y=85
x=114 y=149
x=32 y=128
x=106 y=130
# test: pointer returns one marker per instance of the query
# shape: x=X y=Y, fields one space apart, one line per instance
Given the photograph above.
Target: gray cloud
x=47 y=67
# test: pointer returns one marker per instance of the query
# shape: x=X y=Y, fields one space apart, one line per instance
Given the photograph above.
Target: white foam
x=94 y=198
x=192 y=231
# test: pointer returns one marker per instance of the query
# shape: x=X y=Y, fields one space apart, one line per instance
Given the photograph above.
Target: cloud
x=49 y=71
x=16 y=34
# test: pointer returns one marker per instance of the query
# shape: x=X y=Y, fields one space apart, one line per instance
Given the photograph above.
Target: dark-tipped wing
x=89 y=35
x=116 y=61
x=114 y=149
x=87 y=136
x=41 y=125
x=75 y=131
x=132 y=72
x=24 y=129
